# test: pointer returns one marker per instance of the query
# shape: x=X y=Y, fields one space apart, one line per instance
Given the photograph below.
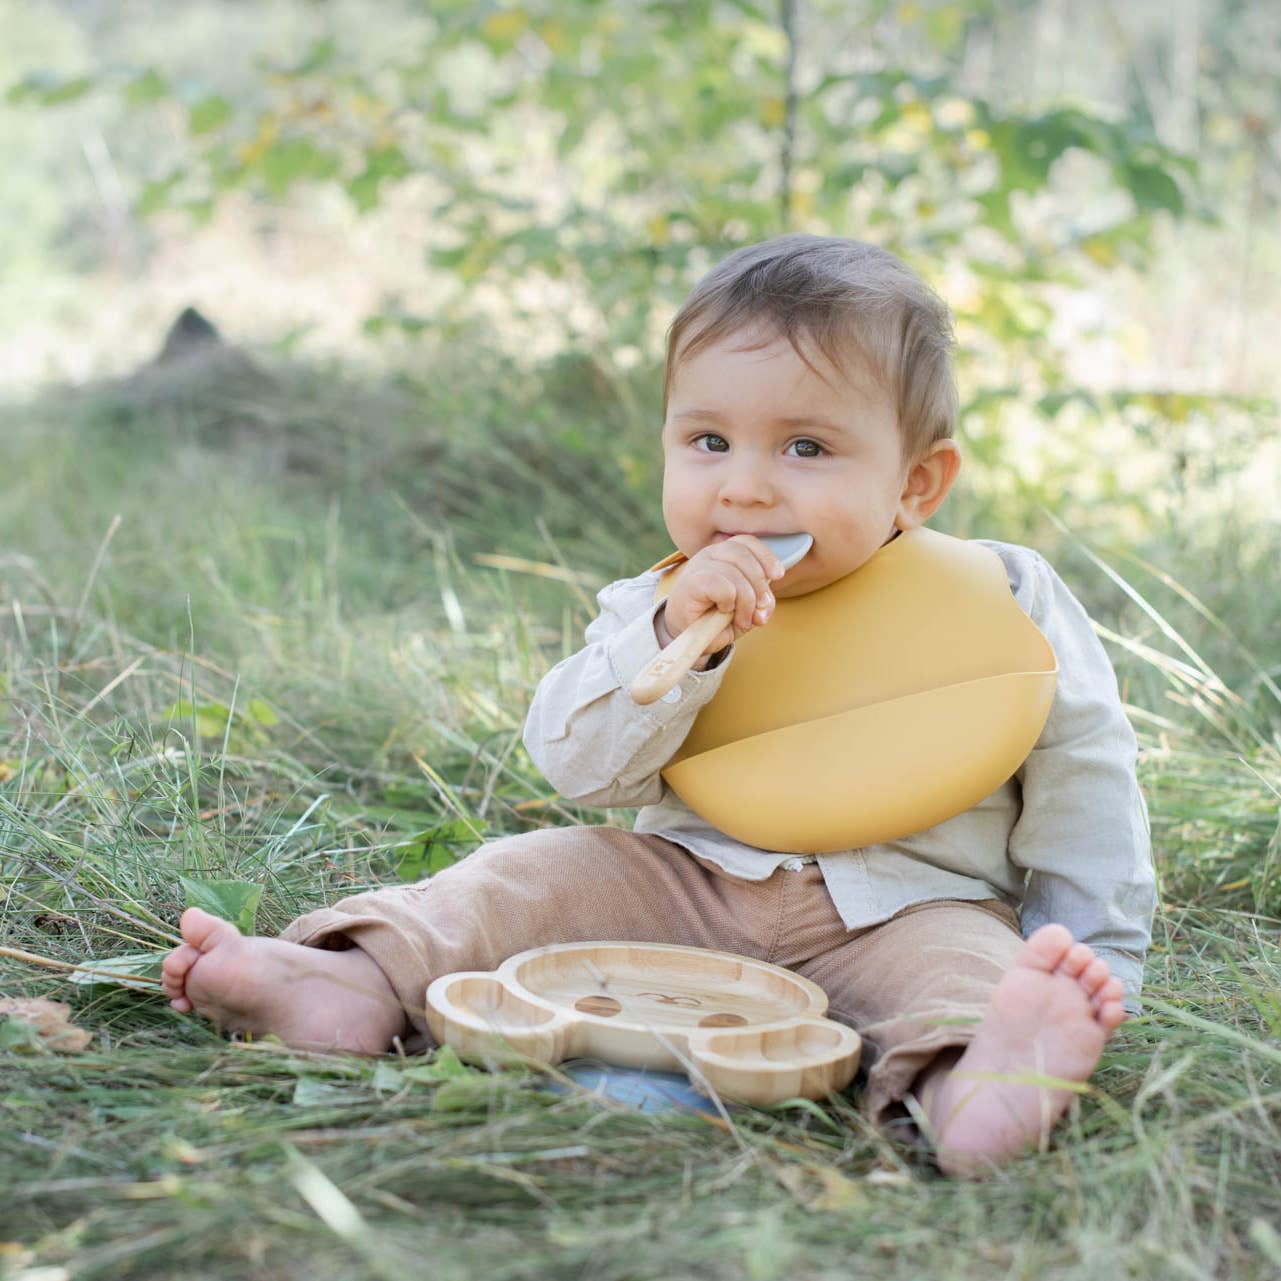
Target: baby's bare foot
x=311 y=999
x=1049 y=1017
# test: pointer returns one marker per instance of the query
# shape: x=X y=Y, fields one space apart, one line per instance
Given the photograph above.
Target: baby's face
x=756 y=443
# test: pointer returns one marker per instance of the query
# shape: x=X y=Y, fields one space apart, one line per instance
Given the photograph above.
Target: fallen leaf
x=818 y=1187
x=49 y=1021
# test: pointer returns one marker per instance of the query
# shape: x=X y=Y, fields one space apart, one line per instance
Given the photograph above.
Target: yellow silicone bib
x=888 y=701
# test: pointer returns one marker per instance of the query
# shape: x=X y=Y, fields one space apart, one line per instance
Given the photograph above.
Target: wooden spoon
x=667 y=670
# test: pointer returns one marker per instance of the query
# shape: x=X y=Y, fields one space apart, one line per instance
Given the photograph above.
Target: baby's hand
x=731 y=576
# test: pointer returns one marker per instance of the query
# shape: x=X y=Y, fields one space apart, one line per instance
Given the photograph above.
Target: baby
x=985 y=960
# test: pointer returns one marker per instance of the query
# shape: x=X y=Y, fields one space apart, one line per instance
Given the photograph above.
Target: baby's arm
x=586 y=733
x=1083 y=830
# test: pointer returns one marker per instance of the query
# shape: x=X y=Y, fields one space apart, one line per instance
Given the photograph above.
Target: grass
x=302 y=659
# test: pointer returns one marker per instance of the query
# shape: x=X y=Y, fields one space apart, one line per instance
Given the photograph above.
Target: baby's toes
x=1076 y=960
x=173 y=975
x=1045 y=948
x=1107 y=1004
x=1094 y=976
x=173 y=969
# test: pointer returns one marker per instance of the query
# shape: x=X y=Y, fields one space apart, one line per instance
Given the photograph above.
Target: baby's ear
x=928 y=480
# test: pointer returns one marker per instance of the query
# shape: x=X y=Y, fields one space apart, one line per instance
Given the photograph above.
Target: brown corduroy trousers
x=911 y=986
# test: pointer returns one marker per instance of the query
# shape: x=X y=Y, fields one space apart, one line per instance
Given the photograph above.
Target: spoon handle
x=666 y=671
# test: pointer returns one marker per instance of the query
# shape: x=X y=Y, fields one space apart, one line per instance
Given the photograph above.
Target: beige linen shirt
x=1066 y=839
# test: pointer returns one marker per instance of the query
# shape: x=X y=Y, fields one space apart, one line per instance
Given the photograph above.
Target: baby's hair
x=855 y=302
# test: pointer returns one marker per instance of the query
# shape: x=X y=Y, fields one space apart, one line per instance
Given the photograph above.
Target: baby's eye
x=712 y=443
x=807 y=448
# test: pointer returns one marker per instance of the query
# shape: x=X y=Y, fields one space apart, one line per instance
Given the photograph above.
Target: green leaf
x=407 y=794
x=444 y=1065
x=234 y=901
x=382 y=164
x=68 y=92
x=120 y=971
x=363 y=190
x=291 y=160
x=439 y=857
x=415 y=863
x=15 y=1034
x=387 y=1079
x=425 y=858
x=463 y=1096
x=1153 y=188
x=449 y=258
x=207 y=115
x=49 y=89
x=537 y=244
x=148 y=87
x=210 y=718
x=310 y=1092
x=155 y=196
x=433 y=850
x=318 y=57
x=460 y=830
x=261 y=713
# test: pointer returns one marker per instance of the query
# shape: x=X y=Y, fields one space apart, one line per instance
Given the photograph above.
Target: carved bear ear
x=755 y=1032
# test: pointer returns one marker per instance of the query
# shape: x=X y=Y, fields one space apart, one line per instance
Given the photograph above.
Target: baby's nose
x=746 y=483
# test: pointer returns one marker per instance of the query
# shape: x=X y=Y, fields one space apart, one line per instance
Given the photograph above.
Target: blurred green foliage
x=586 y=162
x=625 y=147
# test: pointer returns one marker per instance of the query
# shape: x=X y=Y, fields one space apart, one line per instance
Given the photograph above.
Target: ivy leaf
x=234 y=901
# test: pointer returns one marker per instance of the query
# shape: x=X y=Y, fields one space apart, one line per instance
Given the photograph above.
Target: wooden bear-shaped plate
x=751 y=1031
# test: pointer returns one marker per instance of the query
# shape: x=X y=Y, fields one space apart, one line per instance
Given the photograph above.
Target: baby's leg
x=953 y=1006
x=354 y=976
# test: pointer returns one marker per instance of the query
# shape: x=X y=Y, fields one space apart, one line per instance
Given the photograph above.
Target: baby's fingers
x=722 y=588
x=732 y=593
x=755 y=561
x=753 y=603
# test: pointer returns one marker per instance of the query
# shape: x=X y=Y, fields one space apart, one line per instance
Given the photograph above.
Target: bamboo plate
x=748 y=1030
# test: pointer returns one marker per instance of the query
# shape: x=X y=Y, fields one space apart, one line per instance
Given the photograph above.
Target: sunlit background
x=1093 y=187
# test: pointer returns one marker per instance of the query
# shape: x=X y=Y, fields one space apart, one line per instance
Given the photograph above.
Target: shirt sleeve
x=586 y=733
x=1082 y=833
